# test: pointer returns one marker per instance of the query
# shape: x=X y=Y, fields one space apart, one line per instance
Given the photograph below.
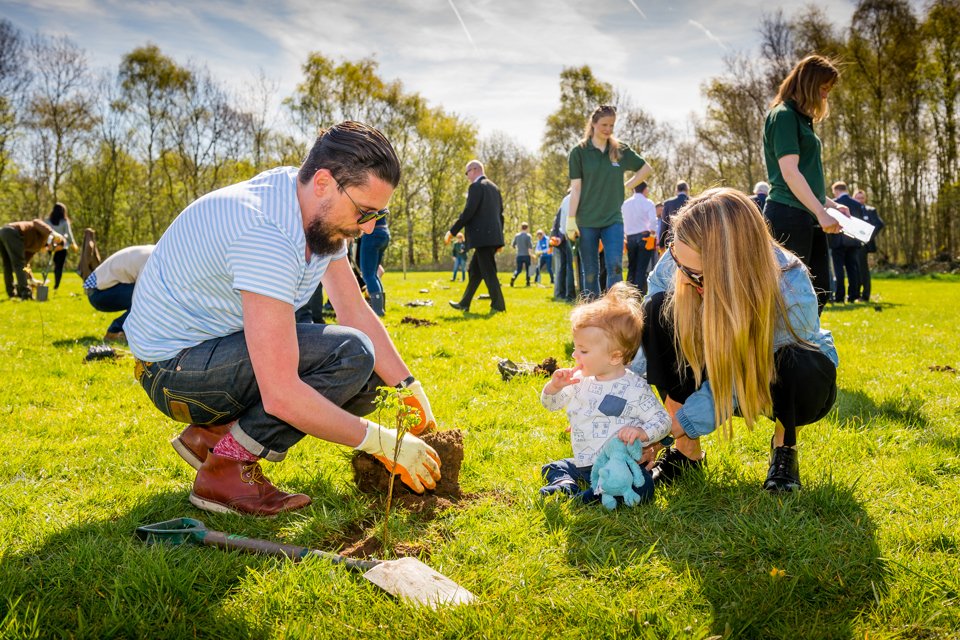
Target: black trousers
x=798 y=231
x=805 y=387
x=59 y=259
x=846 y=259
x=864 y=292
x=483 y=266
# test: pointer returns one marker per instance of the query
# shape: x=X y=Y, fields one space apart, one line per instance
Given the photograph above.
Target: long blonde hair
x=613 y=145
x=803 y=83
x=728 y=331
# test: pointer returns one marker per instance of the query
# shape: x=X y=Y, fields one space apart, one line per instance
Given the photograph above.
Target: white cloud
x=708 y=33
x=504 y=76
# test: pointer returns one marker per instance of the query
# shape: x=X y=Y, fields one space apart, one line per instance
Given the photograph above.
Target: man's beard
x=322 y=238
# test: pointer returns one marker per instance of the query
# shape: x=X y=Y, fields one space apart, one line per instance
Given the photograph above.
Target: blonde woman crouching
x=731 y=328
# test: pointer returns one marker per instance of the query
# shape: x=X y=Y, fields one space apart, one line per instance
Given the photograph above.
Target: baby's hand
x=563 y=378
x=630 y=434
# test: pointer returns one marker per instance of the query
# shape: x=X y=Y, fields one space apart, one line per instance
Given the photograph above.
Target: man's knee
x=334 y=348
x=357 y=353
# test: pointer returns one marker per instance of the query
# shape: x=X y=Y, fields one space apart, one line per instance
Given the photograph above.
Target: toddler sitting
x=602 y=397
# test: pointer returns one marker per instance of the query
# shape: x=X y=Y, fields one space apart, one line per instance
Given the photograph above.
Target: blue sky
x=496 y=62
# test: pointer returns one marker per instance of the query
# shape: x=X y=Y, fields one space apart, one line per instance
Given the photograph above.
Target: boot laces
x=783 y=461
x=252 y=473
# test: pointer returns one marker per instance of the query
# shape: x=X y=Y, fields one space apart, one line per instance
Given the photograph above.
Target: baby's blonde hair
x=618 y=315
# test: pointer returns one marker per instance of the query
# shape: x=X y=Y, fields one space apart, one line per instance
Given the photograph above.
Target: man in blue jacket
x=845 y=250
x=871 y=216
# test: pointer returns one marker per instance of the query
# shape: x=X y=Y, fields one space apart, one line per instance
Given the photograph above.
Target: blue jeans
x=544 y=265
x=460 y=264
x=119 y=297
x=523 y=265
x=590 y=238
x=213 y=383
x=564 y=287
x=371 y=255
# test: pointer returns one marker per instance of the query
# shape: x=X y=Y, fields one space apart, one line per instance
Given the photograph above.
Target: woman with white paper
x=796 y=204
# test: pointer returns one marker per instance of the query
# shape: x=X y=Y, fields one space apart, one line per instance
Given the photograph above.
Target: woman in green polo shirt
x=597 y=165
x=795 y=206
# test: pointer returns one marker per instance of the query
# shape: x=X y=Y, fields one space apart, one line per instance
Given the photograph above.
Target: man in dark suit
x=670 y=207
x=873 y=218
x=482 y=221
x=844 y=250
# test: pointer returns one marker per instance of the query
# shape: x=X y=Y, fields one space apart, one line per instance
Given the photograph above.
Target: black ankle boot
x=784 y=473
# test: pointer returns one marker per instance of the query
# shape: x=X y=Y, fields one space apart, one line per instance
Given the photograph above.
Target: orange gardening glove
x=418 y=400
x=416 y=462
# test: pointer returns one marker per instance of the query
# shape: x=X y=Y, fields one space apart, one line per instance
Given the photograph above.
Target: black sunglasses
x=693 y=276
x=365 y=216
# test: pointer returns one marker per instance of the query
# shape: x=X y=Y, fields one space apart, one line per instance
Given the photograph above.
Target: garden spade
x=406 y=578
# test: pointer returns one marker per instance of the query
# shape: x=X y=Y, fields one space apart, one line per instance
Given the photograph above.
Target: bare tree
x=257 y=100
x=61 y=110
x=14 y=80
x=776 y=48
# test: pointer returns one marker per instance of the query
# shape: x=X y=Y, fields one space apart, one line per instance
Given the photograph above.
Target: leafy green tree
x=940 y=75
x=580 y=93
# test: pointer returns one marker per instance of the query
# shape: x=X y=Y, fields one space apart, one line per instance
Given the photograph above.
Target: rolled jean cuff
x=689 y=428
x=255 y=447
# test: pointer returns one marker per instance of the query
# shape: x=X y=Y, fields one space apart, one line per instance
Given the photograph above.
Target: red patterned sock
x=228 y=447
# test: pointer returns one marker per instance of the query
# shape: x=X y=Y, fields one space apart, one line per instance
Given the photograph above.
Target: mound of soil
x=509 y=369
x=417 y=322
x=372 y=477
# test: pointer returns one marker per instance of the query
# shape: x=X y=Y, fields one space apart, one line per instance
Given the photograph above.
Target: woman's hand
x=650 y=455
x=827 y=223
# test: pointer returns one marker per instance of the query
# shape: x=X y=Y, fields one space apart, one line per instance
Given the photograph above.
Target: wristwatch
x=406 y=382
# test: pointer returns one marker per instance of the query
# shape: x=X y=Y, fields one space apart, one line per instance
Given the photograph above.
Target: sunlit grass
x=871 y=547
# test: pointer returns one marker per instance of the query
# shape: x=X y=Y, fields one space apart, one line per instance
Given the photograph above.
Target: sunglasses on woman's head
x=694 y=276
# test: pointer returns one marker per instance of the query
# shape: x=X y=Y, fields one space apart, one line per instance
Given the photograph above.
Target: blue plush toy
x=615 y=472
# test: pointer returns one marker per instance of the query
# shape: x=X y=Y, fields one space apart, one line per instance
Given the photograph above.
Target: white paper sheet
x=851 y=226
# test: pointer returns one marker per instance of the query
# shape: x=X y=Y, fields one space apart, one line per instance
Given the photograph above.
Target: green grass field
x=869 y=549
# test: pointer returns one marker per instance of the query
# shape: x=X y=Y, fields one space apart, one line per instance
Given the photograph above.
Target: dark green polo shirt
x=787 y=131
x=601 y=183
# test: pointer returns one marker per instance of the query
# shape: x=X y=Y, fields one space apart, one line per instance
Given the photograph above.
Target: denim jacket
x=697 y=416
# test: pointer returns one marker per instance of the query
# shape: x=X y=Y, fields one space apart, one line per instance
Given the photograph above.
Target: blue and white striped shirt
x=245 y=237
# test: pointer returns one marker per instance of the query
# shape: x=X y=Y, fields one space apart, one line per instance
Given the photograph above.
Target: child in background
x=544 y=257
x=459 y=258
x=602 y=397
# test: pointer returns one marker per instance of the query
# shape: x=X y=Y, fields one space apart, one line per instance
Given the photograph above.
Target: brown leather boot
x=231 y=486
x=197 y=440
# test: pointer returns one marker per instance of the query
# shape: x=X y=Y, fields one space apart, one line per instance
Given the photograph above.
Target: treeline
x=128 y=148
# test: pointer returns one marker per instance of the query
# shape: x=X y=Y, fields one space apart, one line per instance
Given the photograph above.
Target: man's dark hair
x=640 y=187
x=682 y=187
x=350 y=151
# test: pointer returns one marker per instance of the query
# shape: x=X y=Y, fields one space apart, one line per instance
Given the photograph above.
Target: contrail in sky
x=462 y=24
x=638 y=9
x=708 y=33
